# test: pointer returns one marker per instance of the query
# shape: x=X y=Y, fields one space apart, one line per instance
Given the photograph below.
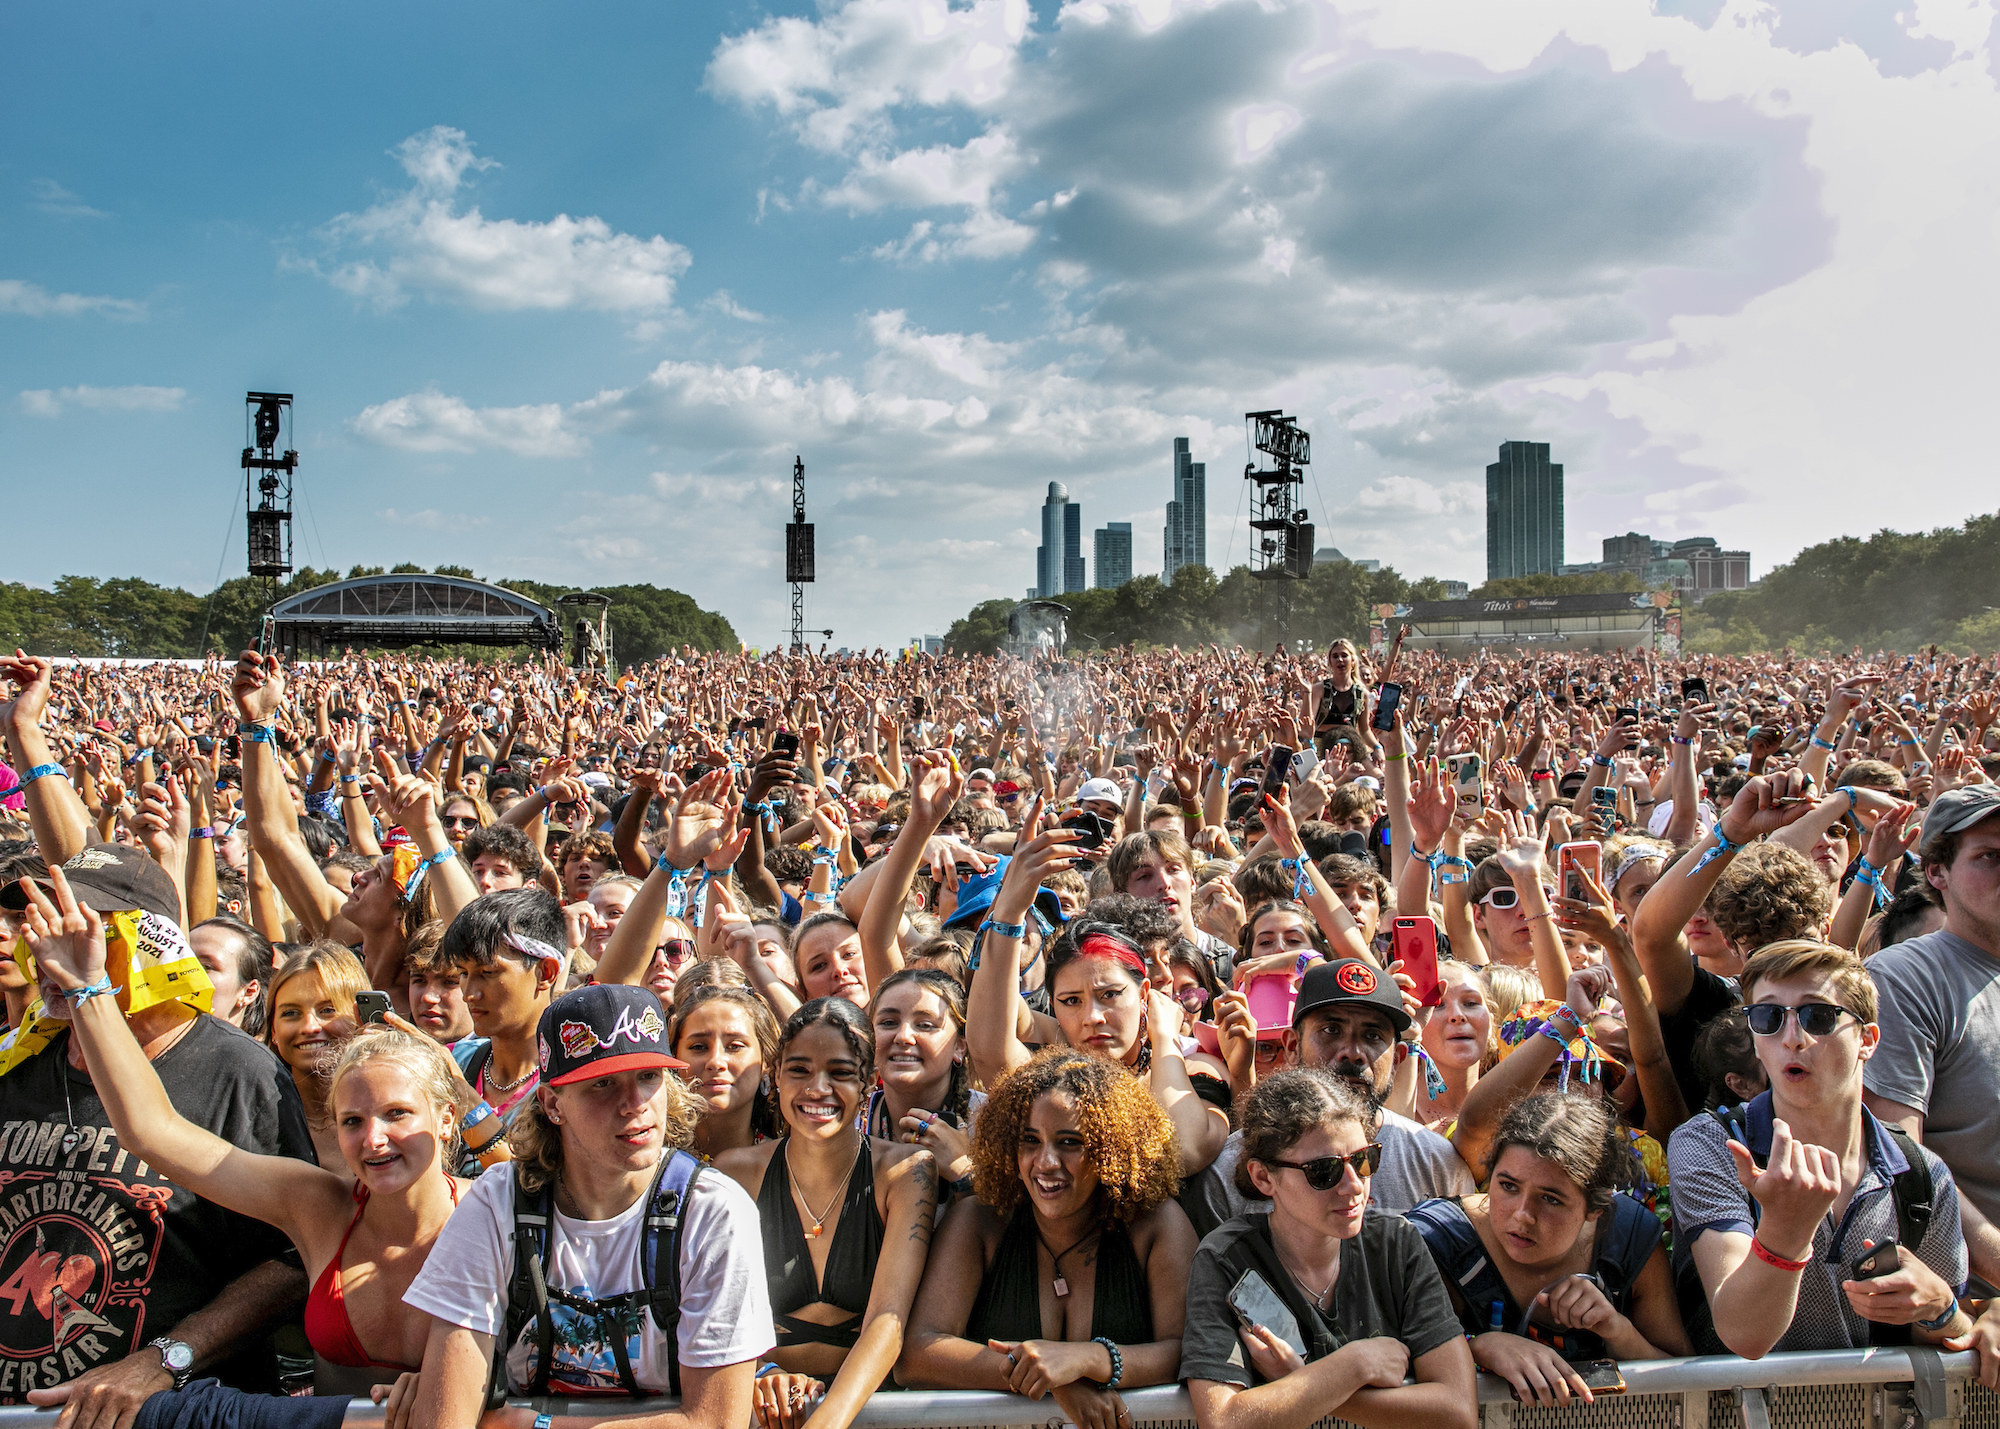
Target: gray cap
x=1960 y=809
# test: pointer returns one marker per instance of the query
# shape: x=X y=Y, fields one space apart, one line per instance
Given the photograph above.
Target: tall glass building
x=1113 y=542
x=1059 y=563
x=1524 y=512
x=1187 y=513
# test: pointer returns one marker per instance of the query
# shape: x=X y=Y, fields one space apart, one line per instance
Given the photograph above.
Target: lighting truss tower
x=1282 y=548
x=799 y=553
x=267 y=481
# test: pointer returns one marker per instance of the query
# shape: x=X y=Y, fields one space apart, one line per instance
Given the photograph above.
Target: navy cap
x=601 y=1029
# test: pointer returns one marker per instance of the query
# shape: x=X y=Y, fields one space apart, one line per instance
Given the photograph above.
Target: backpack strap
x=1462 y=1262
x=660 y=1254
x=528 y=1295
x=1626 y=1236
x=1912 y=1189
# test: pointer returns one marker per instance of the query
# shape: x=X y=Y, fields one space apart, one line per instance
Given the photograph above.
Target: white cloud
x=1408 y=495
x=33 y=301
x=720 y=301
x=52 y=402
x=938 y=176
x=52 y=198
x=433 y=422
x=420 y=243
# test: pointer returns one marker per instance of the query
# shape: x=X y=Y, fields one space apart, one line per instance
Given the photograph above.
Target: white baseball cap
x=1100 y=789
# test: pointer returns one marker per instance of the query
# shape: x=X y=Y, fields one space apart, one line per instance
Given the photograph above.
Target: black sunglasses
x=1323 y=1173
x=1816 y=1019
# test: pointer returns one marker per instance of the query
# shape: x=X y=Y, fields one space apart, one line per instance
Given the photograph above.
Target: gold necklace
x=818 y=1219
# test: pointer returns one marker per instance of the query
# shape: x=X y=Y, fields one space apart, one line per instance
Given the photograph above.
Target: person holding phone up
x=1323 y=1305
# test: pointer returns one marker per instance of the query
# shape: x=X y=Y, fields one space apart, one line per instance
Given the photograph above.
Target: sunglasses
x=1194 y=999
x=453 y=821
x=1506 y=897
x=1816 y=1019
x=1323 y=1173
x=676 y=951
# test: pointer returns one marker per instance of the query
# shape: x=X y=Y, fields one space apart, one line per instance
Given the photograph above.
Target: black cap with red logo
x=1350 y=982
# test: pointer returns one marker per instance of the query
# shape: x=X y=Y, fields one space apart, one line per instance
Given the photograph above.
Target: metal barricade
x=1825 y=1389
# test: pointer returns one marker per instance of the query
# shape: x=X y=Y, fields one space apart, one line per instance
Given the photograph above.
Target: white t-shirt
x=725 y=1302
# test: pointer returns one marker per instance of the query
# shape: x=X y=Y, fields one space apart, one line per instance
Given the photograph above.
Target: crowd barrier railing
x=1822 y=1389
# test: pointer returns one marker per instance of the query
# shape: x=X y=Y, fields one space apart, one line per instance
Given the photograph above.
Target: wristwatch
x=177 y=1359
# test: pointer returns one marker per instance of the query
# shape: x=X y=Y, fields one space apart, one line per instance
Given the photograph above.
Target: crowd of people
x=766 y=1033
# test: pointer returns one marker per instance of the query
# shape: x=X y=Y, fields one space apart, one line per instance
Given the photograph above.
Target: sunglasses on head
x=1323 y=1173
x=1816 y=1019
x=676 y=951
x=1508 y=897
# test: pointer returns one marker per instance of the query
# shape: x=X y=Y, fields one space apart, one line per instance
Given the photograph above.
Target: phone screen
x=1572 y=860
x=1277 y=769
x=1386 y=704
x=1256 y=1303
x=1466 y=778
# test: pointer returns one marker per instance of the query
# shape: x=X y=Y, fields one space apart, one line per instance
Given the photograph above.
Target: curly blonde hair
x=1126 y=1136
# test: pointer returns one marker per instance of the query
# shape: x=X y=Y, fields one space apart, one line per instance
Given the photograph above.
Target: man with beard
x=1350 y=1020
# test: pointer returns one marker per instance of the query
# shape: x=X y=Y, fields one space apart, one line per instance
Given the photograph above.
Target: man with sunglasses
x=1937 y=1070
x=1779 y=1208
x=1349 y=1020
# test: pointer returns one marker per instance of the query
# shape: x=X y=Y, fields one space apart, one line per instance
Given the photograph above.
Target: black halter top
x=850 y=1260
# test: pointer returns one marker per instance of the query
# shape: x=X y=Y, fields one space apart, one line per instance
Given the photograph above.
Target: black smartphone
x=1630 y=712
x=1386 y=704
x=1091 y=829
x=918 y=709
x=1256 y=1303
x=371 y=1006
x=786 y=743
x=1277 y=767
x=1695 y=691
x=1882 y=1260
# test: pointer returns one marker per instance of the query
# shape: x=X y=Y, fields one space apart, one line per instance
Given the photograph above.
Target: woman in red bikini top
x=396 y=1099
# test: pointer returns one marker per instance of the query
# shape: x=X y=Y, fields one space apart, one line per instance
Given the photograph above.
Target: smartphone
x=1386 y=703
x=1604 y=799
x=1414 y=941
x=1277 y=765
x=1882 y=1260
x=1695 y=691
x=1256 y=1303
x=1091 y=829
x=1572 y=862
x=918 y=709
x=1601 y=1376
x=371 y=1006
x=786 y=743
x=1468 y=778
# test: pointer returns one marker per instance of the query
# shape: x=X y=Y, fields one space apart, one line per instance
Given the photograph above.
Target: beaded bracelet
x=1117 y=1361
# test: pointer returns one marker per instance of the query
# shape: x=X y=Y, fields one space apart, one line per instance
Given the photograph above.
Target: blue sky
x=561 y=292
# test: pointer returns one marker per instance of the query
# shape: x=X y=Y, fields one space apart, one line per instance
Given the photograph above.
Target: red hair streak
x=1103 y=945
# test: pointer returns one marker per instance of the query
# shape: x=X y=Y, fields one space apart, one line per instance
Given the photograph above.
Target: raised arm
x=270 y=820
x=697 y=837
x=991 y=1041
x=68 y=943
x=936 y=784
x=61 y=822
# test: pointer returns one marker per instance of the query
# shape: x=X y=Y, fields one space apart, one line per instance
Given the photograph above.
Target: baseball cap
x=986 y=774
x=1958 y=809
x=1102 y=789
x=1350 y=982
x=976 y=895
x=112 y=878
x=601 y=1029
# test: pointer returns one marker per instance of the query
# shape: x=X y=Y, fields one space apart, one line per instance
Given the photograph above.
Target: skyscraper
x=1187 y=513
x=1113 y=551
x=1524 y=512
x=1059 y=565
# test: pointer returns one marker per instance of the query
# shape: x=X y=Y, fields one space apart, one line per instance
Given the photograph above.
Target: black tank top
x=1009 y=1306
x=850 y=1260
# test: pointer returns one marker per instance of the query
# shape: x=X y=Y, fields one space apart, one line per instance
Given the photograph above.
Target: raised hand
x=258 y=687
x=66 y=938
x=1766 y=804
x=699 y=831
x=34 y=675
x=1795 y=1189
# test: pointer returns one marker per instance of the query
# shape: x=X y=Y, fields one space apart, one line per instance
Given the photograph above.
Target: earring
x=554 y=1120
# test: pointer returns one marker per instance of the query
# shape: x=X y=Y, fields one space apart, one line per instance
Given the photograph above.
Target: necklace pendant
x=1062 y=1287
x=69 y=1141
x=818 y=1229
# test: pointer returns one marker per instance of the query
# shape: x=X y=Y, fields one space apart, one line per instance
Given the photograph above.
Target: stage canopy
x=412 y=609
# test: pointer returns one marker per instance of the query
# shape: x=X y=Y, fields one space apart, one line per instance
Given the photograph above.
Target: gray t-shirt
x=1940 y=1052
x=1388 y=1286
x=1417 y=1165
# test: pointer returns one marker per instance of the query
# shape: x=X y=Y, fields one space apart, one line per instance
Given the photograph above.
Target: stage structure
x=416 y=609
x=1282 y=548
x=799 y=555
x=267 y=484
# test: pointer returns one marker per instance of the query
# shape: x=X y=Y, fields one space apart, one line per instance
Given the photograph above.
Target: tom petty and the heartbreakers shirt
x=99 y=1254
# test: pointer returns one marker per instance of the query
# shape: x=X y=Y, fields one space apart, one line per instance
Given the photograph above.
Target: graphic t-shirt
x=725 y=1302
x=99 y=1253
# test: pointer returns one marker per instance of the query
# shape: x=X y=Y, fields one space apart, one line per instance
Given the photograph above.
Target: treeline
x=1892 y=591
x=135 y=619
x=1333 y=603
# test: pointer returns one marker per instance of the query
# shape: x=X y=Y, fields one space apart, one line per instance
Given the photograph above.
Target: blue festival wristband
x=40 y=771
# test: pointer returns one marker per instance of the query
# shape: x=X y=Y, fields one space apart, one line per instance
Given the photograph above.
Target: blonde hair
x=537 y=1142
x=340 y=975
x=426 y=1062
x=1507 y=988
x=1853 y=989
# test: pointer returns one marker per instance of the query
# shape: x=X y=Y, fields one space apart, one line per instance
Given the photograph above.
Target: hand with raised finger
x=66 y=938
x=1894 y=834
x=163 y=824
x=1795 y=1188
